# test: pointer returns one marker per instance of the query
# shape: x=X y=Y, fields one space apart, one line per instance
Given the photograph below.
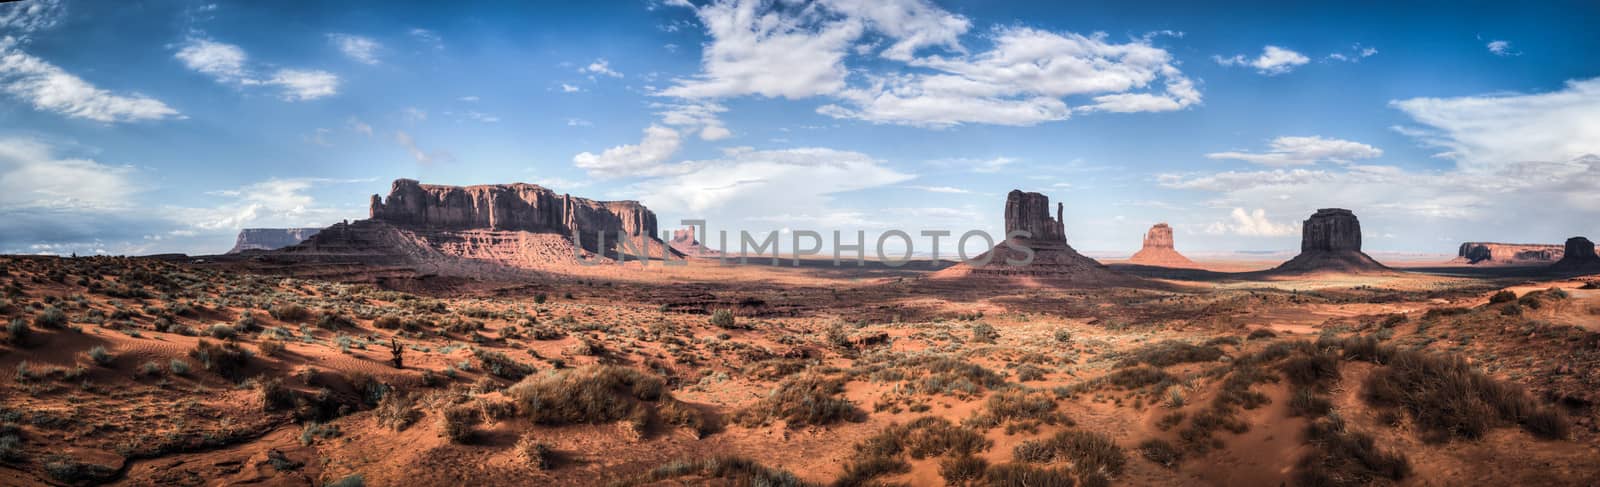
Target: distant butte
x=1158 y=249
x=1330 y=241
x=1053 y=259
x=1579 y=256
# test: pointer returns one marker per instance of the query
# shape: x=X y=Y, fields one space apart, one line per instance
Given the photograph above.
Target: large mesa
x=1158 y=249
x=1579 y=256
x=1492 y=253
x=1052 y=259
x=270 y=238
x=1330 y=241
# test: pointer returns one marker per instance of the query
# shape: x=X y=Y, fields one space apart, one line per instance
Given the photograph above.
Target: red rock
x=1330 y=241
x=1158 y=249
x=270 y=238
x=1579 y=256
x=1503 y=253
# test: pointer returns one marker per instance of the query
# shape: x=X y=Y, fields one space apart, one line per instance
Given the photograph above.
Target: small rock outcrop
x=1509 y=254
x=1579 y=255
x=685 y=242
x=1330 y=241
x=1158 y=249
x=1053 y=260
x=270 y=238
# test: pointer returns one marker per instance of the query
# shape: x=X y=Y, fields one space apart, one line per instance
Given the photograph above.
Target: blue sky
x=142 y=127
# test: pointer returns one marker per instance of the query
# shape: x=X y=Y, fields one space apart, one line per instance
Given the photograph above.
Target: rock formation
x=1579 y=256
x=270 y=238
x=1158 y=249
x=1330 y=241
x=473 y=229
x=1053 y=259
x=685 y=242
x=1503 y=253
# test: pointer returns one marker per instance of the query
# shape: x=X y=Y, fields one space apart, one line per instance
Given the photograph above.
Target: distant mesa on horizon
x=1053 y=260
x=685 y=242
x=1578 y=256
x=1158 y=249
x=250 y=239
x=1330 y=241
x=1495 y=253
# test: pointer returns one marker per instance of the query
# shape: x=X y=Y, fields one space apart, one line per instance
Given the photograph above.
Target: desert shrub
x=291 y=312
x=1311 y=370
x=178 y=367
x=959 y=470
x=1341 y=457
x=598 y=394
x=536 y=454
x=799 y=400
x=729 y=470
x=51 y=318
x=1063 y=335
x=70 y=471
x=150 y=369
x=724 y=319
x=1019 y=405
x=1261 y=334
x=1448 y=398
x=1503 y=296
x=397 y=411
x=352 y=480
x=1171 y=352
x=456 y=422
x=18 y=333
x=222 y=331
x=387 y=322
x=227 y=359
x=500 y=365
x=1024 y=475
x=1137 y=377
x=274 y=395
x=1306 y=402
x=270 y=348
x=335 y=321
x=1089 y=452
x=984 y=333
x=100 y=356
x=1161 y=452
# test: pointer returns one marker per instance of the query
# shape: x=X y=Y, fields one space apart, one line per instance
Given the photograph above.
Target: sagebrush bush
x=456 y=422
x=291 y=312
x=227 y=359
x=804 y=399
x=51 y=318
x=1448 y=398
x=596 y=394
x=101 y=356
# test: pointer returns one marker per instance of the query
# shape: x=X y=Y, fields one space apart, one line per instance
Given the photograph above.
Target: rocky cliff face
x=1031 y=212
x=1331 y=229
x=1503 y=253
x=1330 y=241
x=270 y=238
x=1158 y=249
x=518 y=206
x=1579 y=257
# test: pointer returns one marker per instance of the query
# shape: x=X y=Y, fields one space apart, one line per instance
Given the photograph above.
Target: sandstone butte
x=1330 y=241
x=1578 y=256
x=1053 y=259
x=1158 y=249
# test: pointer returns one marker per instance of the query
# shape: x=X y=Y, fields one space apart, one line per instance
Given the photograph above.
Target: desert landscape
x=451 y=339
x=795 y=243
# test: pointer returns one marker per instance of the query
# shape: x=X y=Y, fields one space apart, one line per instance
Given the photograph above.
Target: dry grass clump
x=1346 y=458
x=804 y=399
x=397 y=411
x=1025 y=475
x=535 y=453
x=719 y=470
x=933 y=374
x=1161 y=452
x=1448 y=398
x=925 y=437
x=456 y=422
x=499 y=365
x=596 y=394
x=1019 y=405
x=1091 y=454
x=1171 y=352
x=227 y=360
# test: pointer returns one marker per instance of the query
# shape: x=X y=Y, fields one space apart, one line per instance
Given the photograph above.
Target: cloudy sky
x=166 y=126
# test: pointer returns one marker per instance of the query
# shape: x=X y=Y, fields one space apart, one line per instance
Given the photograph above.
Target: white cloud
x=1502 y=48
x=1252 y=224
x=647 y=158
x=912 y=24
x=427 y=38
x=49 y=88
x=361 y=49
x=482 y=117
x=566 y=88
x=1493 y=130
x=468 y=99
x=1357 y=53
x=760 y=186
x=414 y=114
x=359 y=126
x=32 y=175
x=1299 y=151
x=756 y=50
x=578 y=122
x=271 y=203
x=701 y=117
x=560 y=184
x=1273 y=60
x=941 y=189
x=22 y=18
x=601 y=67
x=305 y=84
x=424 y=157
x=229 y=64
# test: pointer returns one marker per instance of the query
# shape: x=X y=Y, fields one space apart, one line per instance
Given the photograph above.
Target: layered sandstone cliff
x=1158 y=249
x=1030 y=212
x=1578 y=256
x=518 y=206
x=270 y=238
x=1511 y=254
x=1330 y=241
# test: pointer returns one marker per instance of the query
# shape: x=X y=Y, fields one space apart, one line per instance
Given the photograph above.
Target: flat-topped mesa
x=517 y=206
x=270 y=238
x=685 y=242
x=1158 y=249
x=1579 y=256
x=1330 y=241
x=1508 y=253
x=1331 y=229
x=1030 y=212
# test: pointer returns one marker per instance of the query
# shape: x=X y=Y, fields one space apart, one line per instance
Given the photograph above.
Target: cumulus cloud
x=700 y=117
x=646 y=158
x=1273 y=60
x=1356 y=54
x=49 y=88
x=229 y=64
x=752 y=185
x=361 y=49
x=1492 y=130
x=757 y=50
x=427 y=38
x=23 y=18
x=32 y=175
x=407 y=142
x=1299 y=151
x=1252 y=224
x=600 y=67
x=1502 y=48
x=912 y=24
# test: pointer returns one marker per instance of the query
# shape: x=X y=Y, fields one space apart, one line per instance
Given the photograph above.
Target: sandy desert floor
x=144 y=372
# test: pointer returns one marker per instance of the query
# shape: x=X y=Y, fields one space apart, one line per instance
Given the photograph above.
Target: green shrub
x=1502 y=297
x=984 y=333
x=51 y=318
x=799 y=400
x=101 y=356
